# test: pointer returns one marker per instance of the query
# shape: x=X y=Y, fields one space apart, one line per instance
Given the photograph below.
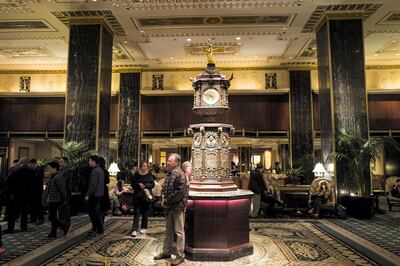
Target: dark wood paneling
x=384 y=111
x=32 y=114
x=254 y=112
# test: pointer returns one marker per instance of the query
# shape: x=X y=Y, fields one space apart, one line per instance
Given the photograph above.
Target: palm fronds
x=78 y=153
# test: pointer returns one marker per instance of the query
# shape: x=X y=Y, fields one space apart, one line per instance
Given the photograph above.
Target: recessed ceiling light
x=171 y=58
x=239 y=43
x=238 y=38
x=256 y=56
x=125 y=41
x=398 y=54
x=142 y=31
x=375 y=54
x=188 y=39
x=290 y=57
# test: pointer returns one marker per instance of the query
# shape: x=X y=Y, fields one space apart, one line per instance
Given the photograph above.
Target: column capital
x=338 y=16
x=100 y=20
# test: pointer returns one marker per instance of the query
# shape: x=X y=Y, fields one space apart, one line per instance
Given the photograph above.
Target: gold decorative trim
x=9 y=72
x=32 y=94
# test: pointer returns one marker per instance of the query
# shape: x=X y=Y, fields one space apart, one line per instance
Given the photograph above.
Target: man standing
x=36 y=210
x=175 y=195
x=257 y=186
x=95 y=193
x=67 y=174
x=19 y=187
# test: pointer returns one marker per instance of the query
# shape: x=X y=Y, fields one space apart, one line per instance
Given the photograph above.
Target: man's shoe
x=161 y=256
x=52 y=235
x=177 y=261
x=142 y=231
x=7 y=231
x=117 y=213
x=134 y=234
x=66 y=229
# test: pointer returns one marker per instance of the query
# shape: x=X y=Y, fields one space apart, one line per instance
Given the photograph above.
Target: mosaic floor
x=20 y=243
x=275 y=243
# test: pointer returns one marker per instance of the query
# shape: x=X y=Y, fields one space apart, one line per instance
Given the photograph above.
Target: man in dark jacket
x=57 y=196
x=36 y=210
x=257 y=186
x=19 y=187
x=175 y=195
x=95 y=193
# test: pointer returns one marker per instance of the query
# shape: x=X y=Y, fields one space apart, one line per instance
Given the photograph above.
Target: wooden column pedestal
x=217 y=225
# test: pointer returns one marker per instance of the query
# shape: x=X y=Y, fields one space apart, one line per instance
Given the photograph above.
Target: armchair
x=392 y=201
x=330 y=205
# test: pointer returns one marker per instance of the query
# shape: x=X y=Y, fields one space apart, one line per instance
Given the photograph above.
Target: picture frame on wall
x=270 y=81
x=23 y=152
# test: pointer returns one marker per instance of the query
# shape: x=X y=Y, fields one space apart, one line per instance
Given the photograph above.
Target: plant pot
x=359 y=206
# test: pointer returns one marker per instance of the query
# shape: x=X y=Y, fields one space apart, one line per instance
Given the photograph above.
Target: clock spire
x=210 y=56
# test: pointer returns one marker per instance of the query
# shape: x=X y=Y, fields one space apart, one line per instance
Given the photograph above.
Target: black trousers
x=141 y=209
x=36 y=208
x=55 y=217
x=95 y=214
x=16 y=208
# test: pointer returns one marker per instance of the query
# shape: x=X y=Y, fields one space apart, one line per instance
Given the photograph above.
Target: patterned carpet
x=382 y=230
x=275 y=243
x=19 y=243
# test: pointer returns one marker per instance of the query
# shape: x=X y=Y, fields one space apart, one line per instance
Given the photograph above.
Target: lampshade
x=319 y=170
x=113 y=169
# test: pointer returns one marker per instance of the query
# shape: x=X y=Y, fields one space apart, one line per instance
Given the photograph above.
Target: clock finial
x=210 y=56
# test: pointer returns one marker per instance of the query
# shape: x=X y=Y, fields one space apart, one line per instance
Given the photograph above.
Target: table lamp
x=319 y=170
x=113 y=170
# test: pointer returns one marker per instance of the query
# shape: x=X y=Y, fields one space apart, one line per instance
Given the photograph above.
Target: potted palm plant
x=353 y=156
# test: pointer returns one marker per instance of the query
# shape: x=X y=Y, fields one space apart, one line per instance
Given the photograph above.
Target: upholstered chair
x=389 y=183
x=330 y=205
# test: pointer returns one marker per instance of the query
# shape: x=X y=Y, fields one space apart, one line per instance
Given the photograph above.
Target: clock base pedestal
x=218 y=225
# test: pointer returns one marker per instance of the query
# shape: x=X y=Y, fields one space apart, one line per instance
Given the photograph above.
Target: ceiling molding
x=219 y=33
x=195 y=4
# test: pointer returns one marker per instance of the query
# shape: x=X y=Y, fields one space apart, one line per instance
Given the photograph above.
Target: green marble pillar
x=89 y=86
x=342 y=92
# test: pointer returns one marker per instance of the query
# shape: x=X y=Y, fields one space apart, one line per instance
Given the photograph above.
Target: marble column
x=244 y=154
x=185 y=153
x=89 y=86
x=145 y=152
x=301 y=122
x=342 y=92
x=129 y=131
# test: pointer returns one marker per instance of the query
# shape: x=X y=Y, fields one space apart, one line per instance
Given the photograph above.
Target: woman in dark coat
x=105 y=204
x=142 y=184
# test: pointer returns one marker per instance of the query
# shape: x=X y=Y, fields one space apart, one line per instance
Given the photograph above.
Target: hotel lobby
x=304 y=92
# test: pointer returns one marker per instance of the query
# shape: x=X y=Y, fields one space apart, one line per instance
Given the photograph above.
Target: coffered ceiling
x=174 y=33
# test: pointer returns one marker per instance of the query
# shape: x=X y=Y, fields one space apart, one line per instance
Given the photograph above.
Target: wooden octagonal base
x=218 y=225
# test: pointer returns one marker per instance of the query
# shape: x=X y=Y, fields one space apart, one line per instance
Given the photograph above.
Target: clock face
x=211 y=96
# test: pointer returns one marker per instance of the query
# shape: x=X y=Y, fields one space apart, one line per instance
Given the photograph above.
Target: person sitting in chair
x=321 y=197
x=396 y=189
x=268 y=197
x=115 y=197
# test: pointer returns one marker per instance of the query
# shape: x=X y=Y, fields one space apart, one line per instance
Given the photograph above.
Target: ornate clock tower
x=210 y=147
x=217 y=212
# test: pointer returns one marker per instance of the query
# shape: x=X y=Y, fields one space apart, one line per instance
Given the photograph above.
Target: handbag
x=124 y=207
x=147 y=195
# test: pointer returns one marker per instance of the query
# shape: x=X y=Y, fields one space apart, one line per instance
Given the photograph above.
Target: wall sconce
x=113 y=170
x=319 y=170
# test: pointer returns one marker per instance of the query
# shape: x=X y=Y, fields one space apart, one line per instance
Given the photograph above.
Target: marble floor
x=275 y=241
